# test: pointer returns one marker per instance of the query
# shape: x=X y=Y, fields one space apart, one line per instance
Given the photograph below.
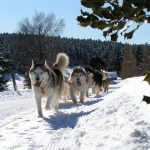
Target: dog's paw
x=56 y=110
x=82 y=101
x=40 y=116
x=47 y=107
x=75 y=102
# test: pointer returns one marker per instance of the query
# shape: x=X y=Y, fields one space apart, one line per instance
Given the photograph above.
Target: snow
x=118 y=120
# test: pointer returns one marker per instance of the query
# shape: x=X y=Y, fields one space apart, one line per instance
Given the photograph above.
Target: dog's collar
x=43 y=89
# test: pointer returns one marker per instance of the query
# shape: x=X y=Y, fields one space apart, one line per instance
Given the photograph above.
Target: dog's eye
x=35 y=73
x=41 y=73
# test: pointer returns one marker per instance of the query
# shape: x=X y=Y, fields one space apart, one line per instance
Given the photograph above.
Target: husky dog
x=78 y=84
x=94 y=80
x=48 y=81
x=105 y=81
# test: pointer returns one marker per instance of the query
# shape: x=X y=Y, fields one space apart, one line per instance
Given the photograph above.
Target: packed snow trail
x=12 y=102
x=116 y=121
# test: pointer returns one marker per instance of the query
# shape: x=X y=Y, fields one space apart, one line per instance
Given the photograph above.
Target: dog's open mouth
x=78 y=82
x=37 y=84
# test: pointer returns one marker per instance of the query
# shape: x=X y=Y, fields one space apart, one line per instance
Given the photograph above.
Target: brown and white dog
x=94 y=80
x=79 y=84
x=105 y=81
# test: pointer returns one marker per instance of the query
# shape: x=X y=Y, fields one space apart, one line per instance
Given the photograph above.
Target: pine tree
x=27 y=82
x=116 y=60
x=129 y=68
x=139 y=55
x=6 y=66
x=146 y=61
x=3 y=68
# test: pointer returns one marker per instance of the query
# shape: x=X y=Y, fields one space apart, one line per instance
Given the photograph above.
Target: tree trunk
x=14 y=81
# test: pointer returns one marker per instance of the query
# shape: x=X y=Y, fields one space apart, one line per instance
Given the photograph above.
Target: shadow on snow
x=70 y=104
x=65 y=120
x=69 y=120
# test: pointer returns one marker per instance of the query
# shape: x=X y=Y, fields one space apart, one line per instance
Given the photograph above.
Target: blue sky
x=13 y=11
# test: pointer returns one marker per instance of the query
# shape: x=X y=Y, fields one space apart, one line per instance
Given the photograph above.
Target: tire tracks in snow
x=59 y=143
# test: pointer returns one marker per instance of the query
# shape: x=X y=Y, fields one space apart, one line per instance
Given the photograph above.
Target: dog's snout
x=78 y=78
x=37 y=78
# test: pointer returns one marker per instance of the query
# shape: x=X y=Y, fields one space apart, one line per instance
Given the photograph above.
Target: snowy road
x=12 y=103
x=116 y=121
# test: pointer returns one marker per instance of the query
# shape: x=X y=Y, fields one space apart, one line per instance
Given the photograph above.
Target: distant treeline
x=23 y=48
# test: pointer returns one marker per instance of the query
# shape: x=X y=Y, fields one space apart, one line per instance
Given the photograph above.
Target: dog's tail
x=62 y=61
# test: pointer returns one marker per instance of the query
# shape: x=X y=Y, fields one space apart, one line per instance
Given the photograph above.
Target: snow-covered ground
x=115 y=121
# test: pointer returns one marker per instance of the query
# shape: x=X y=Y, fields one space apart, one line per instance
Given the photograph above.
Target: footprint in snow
x=34 y=127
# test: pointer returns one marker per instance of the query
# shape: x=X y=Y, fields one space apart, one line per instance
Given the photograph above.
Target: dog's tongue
x=37 y=84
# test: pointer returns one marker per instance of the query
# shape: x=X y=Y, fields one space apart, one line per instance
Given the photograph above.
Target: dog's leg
x=72 y=95
x=107 y=89
x=103 y=91
x=47 y=106
x=87 y=93
x=82 y=96
x=56 y=104
x=49 y=99
x=93 y=90
x=66 y=95
x=65 y=99
x=96 y=90
x=39 y=108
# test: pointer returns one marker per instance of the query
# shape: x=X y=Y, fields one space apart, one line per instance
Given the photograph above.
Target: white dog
x=48 y=81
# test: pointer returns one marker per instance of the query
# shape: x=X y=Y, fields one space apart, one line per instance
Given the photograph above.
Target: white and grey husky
x=48 y=81
x=79 y=84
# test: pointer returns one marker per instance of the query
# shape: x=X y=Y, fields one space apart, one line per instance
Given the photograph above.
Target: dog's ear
x=46 y=65
x=33 y=64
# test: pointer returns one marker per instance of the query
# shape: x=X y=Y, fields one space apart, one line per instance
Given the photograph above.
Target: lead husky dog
x=48 y=81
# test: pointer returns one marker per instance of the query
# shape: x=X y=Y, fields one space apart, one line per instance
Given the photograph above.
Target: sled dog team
x=50 y=82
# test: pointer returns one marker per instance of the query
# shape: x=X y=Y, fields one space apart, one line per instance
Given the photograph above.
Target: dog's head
x=39 y=73
x=79 y=75
x=90 y=74
x=105 y=75
x=89 y=71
